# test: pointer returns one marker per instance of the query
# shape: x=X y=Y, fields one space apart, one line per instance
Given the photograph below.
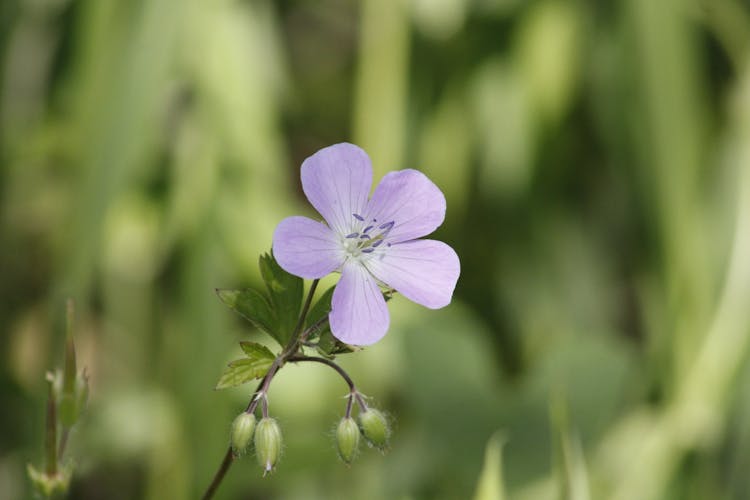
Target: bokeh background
x=596 y=161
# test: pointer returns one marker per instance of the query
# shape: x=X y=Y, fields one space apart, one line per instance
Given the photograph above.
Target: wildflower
x=371 y=242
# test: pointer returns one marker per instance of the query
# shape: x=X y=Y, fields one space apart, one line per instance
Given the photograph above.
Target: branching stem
x=290 y=350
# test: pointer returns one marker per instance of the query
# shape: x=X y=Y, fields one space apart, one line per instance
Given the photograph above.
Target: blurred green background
x=596 y=161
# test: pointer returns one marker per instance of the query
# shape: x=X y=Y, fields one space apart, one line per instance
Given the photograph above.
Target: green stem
x=328 y=362
x=51 y=434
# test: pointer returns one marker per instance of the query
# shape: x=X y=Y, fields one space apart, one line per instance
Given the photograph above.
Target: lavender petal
x=424 y=271
x=358 y=312
x=410 y=200
x=337 y=181
x=306 y=248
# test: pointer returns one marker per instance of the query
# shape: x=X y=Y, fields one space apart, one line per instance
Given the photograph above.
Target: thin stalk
x=50 y=443
x=328 y=362
x=219 y=476
x=63 y=442
x=294 y=344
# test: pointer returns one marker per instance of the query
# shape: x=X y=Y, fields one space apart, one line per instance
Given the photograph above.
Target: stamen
x=352 y=235
x=367 y=229
x=359 y=217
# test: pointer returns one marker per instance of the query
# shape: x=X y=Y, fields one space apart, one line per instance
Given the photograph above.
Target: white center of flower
x=367 y=238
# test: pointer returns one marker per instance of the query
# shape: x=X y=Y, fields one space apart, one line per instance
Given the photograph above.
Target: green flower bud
x=375 y=428
x=72 y=403
x=242 y=432
x=347 y=439
x=267 y=443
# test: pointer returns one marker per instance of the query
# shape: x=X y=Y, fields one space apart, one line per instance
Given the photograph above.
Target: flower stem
x=63 y=442
x=353 y=393
x=289 y=351
x=219 y=476
x=339 y=370
x=51 y=434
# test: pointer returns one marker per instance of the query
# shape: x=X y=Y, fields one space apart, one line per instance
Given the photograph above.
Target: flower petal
x=424 y=271
x=337 y=181
x=306 y=248
x=409 y=199
x=358 y=312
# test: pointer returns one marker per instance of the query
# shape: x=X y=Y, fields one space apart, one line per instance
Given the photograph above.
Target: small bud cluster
x=373 y=426
x=265 y=434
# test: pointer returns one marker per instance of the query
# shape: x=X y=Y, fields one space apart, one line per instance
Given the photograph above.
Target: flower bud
x=375 y=428
x=242 y=432
x=267 y=443
x=347 y=439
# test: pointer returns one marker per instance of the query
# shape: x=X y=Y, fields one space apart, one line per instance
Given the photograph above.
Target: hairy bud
x=242 y=432
x=375 y=428
x=347 y=439
x=267 y=443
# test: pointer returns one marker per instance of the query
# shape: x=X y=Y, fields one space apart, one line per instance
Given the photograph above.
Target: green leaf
x=329 y=346
x=253 y=350
x=491 y=485
x=244 y=370
x=570 y=464
x=319 y=312
x=253 y=306
x=285 y=291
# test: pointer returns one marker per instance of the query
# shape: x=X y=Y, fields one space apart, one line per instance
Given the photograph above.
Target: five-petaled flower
x=371 y=242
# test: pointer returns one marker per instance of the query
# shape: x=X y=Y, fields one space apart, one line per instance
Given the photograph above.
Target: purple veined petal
x=411 y=201
x=424 y=271
x=337 y=181
x=306 y=248
x=358 y=312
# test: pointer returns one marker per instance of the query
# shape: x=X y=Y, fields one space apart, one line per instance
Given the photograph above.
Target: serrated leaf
x=285 y=291
x=252 y=306
x=243 y=370
x=254 y=350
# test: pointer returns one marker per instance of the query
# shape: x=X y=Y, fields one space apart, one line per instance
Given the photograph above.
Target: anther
x=352 y=235
x=387 y=225
x=367 y=229
x=378 y=243
x=365 y=236
x=368 y=250
x=359 y=217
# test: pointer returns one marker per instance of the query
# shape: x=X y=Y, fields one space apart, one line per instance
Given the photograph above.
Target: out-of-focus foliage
x=595 y=157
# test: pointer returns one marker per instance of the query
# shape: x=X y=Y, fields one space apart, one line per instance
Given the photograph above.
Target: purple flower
x=372 y=242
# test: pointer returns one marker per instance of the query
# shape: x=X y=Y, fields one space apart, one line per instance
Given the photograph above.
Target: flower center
x=369 y=239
